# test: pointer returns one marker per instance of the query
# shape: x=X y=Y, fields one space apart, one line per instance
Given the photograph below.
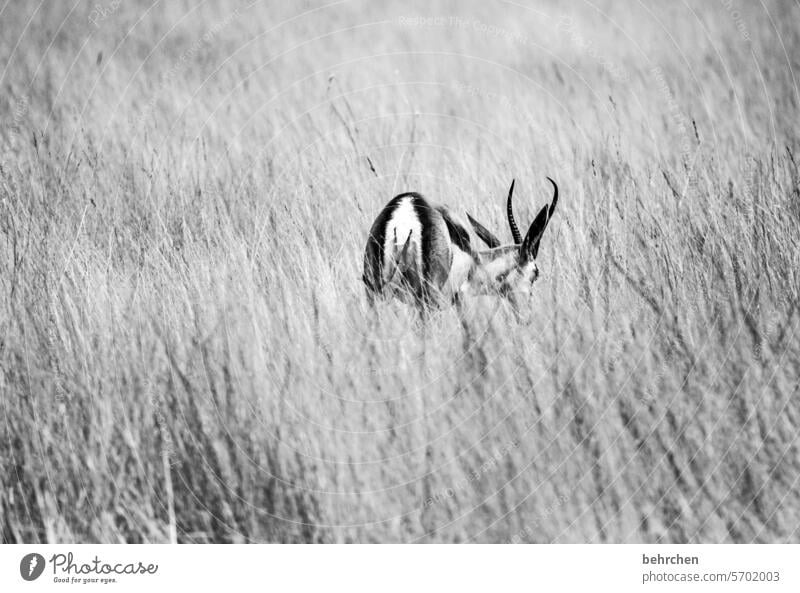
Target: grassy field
x=185 y=349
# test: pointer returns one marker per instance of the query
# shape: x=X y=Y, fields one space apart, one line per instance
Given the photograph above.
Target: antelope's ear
x=555 y=199
x=530 y=245
x=484 y=234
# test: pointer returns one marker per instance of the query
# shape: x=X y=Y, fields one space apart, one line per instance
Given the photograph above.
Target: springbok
x=419 y=253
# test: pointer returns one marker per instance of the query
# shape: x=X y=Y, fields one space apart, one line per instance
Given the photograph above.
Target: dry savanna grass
x=185 y=348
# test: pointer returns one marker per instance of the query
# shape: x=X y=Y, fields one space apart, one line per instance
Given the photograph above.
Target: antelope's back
x=408 y=218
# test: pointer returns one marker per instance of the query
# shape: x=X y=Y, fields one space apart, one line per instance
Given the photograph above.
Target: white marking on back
x=404 y=220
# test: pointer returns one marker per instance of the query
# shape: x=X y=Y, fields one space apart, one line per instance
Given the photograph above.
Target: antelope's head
x=511 y=269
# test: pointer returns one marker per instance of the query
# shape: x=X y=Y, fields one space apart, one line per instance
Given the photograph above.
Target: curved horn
x=514 y=228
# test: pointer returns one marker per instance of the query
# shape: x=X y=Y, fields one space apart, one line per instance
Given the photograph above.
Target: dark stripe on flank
x=425 y=214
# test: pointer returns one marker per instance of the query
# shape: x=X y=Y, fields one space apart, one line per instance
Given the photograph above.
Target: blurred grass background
x=185 y=192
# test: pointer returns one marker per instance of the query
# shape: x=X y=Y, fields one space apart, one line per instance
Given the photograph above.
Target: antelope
x=421 y=254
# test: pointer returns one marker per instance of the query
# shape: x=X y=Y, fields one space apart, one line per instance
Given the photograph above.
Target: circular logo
x=31 y=566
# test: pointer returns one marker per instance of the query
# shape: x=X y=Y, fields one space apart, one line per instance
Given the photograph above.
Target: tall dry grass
x=184 y=198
